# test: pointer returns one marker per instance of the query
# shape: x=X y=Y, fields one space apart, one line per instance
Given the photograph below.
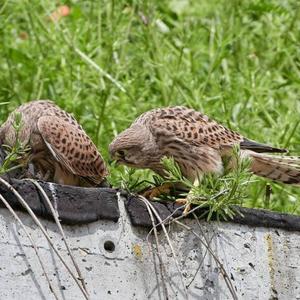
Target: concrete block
x=119 y=261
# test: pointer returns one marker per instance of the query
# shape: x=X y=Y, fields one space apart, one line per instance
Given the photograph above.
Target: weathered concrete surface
x=76 y=205
x=139 y=215
x=262 y=263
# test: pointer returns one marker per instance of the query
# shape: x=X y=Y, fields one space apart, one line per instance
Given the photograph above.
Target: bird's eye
x=121 y=153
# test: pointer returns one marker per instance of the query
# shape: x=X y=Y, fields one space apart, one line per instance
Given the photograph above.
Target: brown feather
x=283 y=169
x=58 y=141
x=72 y=147
x=190 y=126
x=197 y=144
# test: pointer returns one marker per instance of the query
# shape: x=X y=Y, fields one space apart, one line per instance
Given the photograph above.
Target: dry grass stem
x=39 y=224
x=161 y=264
x=170 y=244
x=55 y=216
x=32 y=243
x=223 y=271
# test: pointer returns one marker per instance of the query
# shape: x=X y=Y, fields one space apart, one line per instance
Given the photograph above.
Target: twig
x=32 y=243
x=169 y=242
x=200 y=228
x=39 y=224
x=157 y=249
x=170 y=219
x=208 y=245
x=55 y=216
x=223 y=271
x=192 y=211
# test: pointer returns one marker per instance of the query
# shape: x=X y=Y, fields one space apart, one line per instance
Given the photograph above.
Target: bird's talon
x=181 y=201
x=157 y=191
x=187 y=205
x=187 y=209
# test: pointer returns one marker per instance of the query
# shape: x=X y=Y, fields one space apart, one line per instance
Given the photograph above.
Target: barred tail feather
x=278 y=168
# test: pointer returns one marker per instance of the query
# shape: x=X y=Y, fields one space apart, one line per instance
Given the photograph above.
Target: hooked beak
x=118 y=158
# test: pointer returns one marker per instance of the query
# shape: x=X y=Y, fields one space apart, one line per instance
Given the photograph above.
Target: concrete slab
x=262 y=263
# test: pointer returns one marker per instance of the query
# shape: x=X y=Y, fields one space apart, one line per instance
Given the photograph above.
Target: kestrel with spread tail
x=59 y=148
x=198 y=144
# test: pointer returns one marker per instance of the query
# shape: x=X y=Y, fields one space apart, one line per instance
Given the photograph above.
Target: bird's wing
x=192 y=127
x=258 y=147
x=70 y=146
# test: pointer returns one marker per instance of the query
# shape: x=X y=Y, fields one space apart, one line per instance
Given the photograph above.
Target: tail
x=278 y=168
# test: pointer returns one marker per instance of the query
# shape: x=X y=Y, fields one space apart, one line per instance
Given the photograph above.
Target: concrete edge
x=77 y=205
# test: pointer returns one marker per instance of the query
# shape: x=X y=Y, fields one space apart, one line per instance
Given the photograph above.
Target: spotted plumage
x=59 y=147
x=197 y=143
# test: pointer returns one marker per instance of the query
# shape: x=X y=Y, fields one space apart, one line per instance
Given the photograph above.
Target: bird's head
x=133 y=147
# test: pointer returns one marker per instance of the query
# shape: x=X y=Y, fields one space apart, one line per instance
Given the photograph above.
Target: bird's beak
x=116 y=157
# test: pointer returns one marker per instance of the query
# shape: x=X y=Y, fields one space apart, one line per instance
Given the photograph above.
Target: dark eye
x=121 y=153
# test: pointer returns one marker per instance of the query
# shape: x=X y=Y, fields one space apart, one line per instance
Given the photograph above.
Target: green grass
x=237 y=61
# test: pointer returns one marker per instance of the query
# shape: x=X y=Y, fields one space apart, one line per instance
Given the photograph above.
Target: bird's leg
x=63 y=176
x=44 y=176
x=30 y=172
x=156 y=191
x=188 y=200
x=35 y=169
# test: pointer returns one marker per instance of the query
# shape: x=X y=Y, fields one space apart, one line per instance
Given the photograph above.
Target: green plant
x=236 y=61
x=15 y=154
x=216 y=193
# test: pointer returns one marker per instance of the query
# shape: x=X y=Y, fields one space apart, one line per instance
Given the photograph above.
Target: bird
x=198 y=145
x=58 y=147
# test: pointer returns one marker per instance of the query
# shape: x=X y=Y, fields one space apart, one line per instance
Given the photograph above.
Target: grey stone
x=262 y=263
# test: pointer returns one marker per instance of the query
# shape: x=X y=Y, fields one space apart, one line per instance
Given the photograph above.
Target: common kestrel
x=60 y=150
x=197 y=143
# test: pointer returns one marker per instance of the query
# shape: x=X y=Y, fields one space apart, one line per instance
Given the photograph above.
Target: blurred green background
x=108 y=61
